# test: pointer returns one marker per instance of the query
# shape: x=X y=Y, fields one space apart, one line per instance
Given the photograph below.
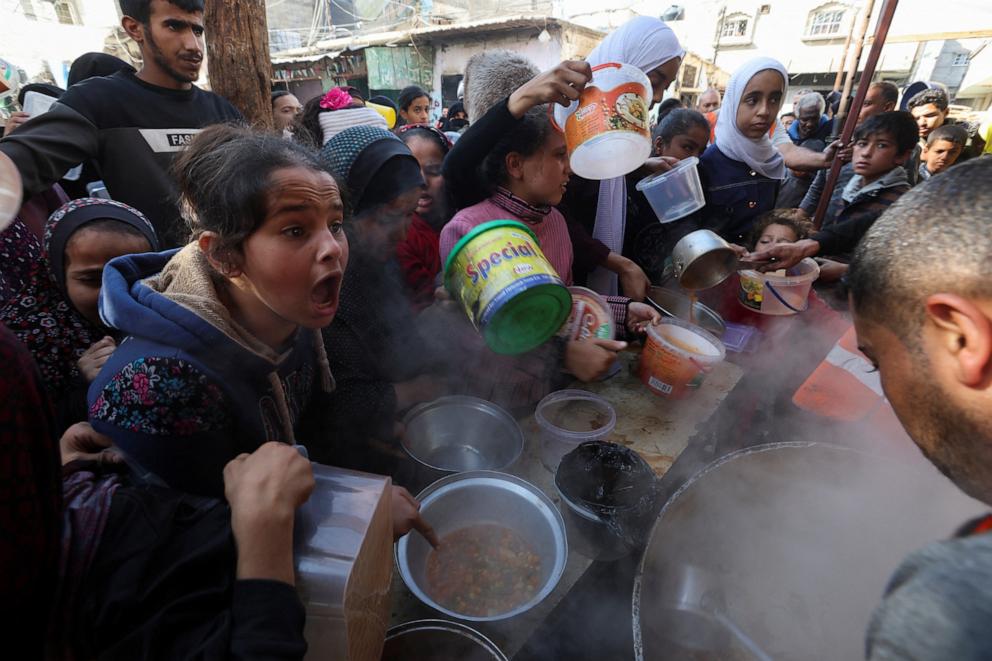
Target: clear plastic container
x=570 y=417
x=342 y=546
x=677 y=356
x=674 y=194
x=607 y=130
x=779 y=295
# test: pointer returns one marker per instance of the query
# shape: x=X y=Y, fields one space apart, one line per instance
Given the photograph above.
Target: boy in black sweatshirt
x=130 y=124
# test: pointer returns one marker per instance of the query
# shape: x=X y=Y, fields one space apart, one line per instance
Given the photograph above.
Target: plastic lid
x=484 y=227
x=527 y=320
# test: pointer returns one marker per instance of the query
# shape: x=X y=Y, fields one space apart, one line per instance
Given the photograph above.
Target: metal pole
x=881 y=32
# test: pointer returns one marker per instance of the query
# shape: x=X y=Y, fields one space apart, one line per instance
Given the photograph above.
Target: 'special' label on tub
x=495 y=266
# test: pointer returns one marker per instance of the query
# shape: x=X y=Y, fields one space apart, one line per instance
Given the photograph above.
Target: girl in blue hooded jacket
x=223 y=350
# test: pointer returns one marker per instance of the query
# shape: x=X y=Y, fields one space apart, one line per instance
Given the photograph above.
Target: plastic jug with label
x=607 y=130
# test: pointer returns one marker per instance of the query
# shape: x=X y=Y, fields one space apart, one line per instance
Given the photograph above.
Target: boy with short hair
x=881 y=144
x=942 y=150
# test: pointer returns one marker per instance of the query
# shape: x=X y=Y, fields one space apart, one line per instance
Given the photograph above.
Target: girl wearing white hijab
x=651 y=46
x=742 y=170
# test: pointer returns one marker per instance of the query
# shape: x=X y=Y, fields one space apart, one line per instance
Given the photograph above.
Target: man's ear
x=658 y=146
x=964 y=332
x=134 y=29
x=220 y=259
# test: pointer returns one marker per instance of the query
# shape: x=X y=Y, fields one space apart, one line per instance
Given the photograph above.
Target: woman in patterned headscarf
x=375 y=352
x=54 y=312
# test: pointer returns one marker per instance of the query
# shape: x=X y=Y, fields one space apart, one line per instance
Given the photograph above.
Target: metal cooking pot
x=701 y=260
x=675 y=304
x=459 y=433
x=438 y=640
x=467 y=499
x=788 y=548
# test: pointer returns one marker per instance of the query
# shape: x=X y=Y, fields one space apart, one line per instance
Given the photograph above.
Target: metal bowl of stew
x=438 y=640
x=503 y=547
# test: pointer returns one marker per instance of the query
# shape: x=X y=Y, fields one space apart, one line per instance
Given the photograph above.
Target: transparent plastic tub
x=677 y=356
x=779 y=295
x=570 y=417
x=674 y=194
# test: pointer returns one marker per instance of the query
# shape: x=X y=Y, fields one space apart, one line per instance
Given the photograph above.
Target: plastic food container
x=781 y=295
x=568 y=418
x=677 y=356
x=341 y=554
x=507 y=287
x=674 y=194
x=607 y=130
x=591 y=316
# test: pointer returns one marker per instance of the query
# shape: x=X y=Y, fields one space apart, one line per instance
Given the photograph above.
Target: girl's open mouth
x=324 y=294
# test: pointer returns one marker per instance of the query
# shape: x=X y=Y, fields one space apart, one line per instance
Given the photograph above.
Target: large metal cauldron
x=782 y=551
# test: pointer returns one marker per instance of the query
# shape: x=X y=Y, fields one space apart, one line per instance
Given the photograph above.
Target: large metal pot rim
x=636 y=595
x=448 y=626
x=518 y=486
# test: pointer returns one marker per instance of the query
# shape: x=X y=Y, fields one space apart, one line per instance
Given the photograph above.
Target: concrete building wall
x=451 y=57
x=779 y=28
x=37 y=44
x=289 y=14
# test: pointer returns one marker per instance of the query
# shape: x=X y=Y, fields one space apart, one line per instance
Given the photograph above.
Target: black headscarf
x=43 y=317
x=376 y=165
x=92 y=65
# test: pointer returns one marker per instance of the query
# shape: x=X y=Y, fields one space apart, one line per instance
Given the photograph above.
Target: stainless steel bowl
x=479 y=497
x=676 y=304
x=702 y=259
x=438 y=640
x=456 y=434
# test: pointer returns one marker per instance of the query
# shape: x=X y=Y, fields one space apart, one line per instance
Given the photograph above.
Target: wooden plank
x=935 y=36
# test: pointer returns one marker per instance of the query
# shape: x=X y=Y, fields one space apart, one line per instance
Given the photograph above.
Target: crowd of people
x=230 y=293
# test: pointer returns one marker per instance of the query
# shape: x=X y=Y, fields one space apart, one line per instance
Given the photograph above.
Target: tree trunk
x=238 y=57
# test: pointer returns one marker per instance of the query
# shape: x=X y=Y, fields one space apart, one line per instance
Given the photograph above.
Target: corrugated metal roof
x=305 y=58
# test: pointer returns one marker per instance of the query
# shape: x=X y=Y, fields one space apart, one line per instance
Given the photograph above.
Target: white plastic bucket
x=674 y=194
x=772 y=294
x=607 y=130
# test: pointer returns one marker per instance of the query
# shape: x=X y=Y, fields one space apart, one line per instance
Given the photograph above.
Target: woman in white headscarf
x=742 y=170
x=651 y=46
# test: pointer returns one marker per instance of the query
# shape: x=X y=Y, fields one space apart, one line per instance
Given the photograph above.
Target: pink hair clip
x=336 y=99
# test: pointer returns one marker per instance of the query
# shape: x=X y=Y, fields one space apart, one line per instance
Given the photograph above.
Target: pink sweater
x=551 y=232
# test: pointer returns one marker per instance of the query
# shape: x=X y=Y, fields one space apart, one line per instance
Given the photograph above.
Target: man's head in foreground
x=921 y=293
